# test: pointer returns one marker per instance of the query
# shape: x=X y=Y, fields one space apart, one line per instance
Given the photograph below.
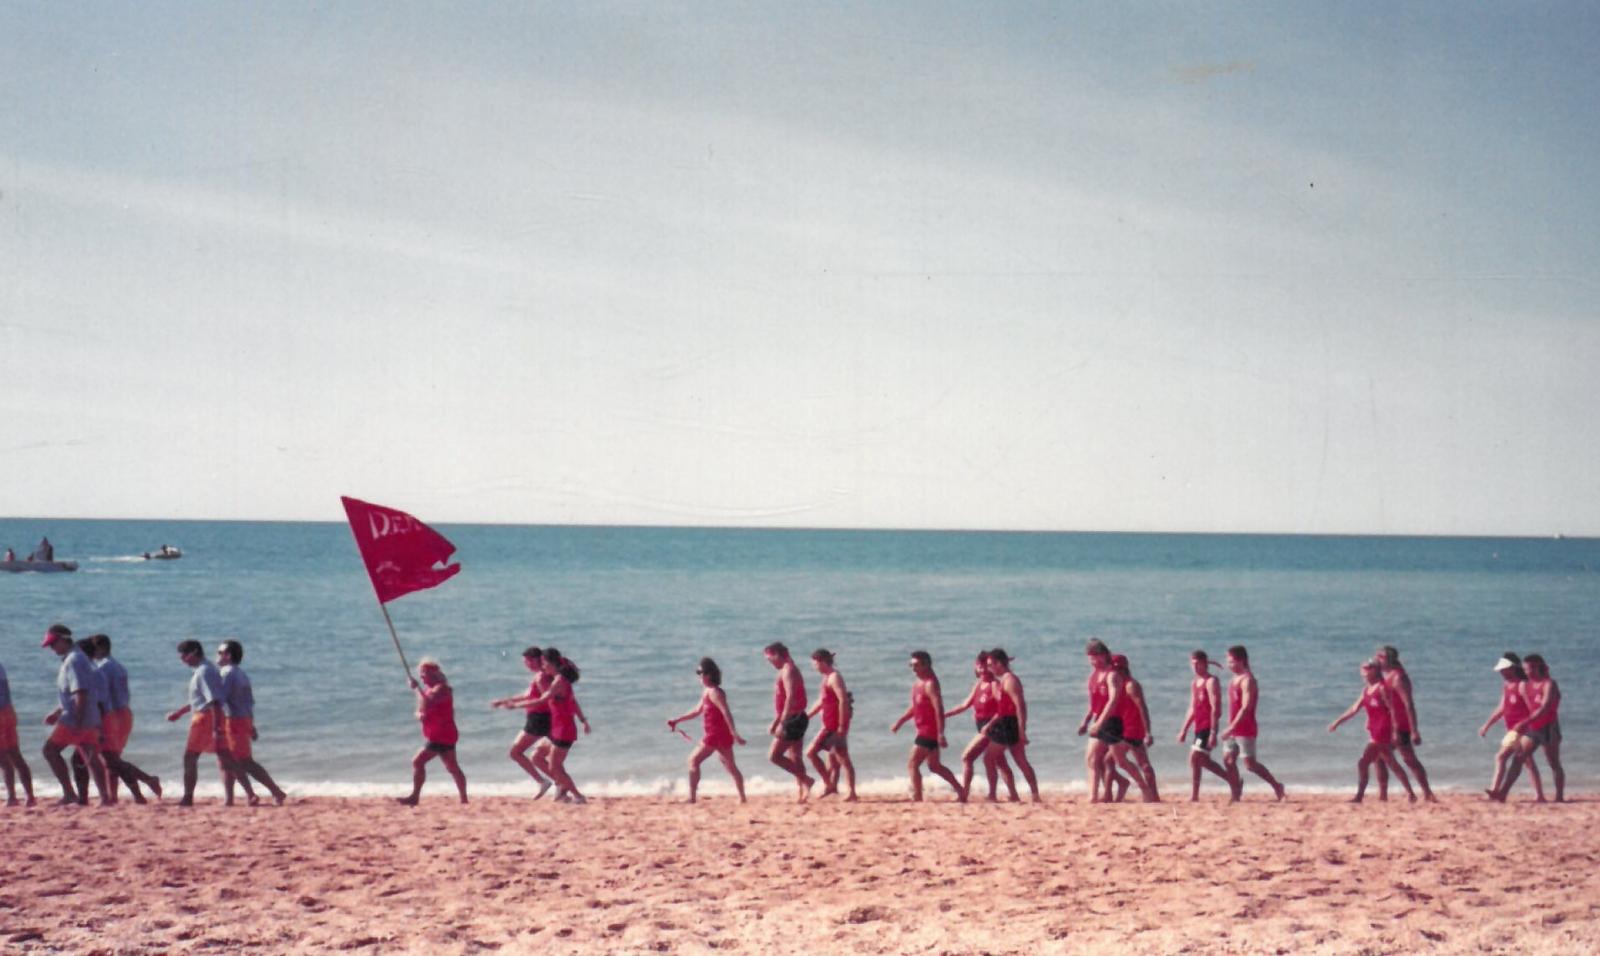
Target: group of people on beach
x=93 y=718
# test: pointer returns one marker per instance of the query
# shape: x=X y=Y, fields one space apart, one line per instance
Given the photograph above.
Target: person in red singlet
x=789 y=720
x=436 y=710
x=927 y=715
x=1205 y=715
x=1103 y=723
x=1513 y=710
x=536 y=722
x=718 y=734
x=1541 y=728
x=1239 y=737
x=1408 y=735
x=1008 y=730
x=565 y=715
x=1133 y=752
x=835 y=707
x=1375 y=700
x=984 y=701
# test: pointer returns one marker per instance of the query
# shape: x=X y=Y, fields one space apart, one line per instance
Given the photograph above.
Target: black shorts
x=794 y=726
x=537 y=724
x=1403 y=737
x=1202 y=739
x=1005 y=731
x=563 y=744
x=439 y=748
x=1133 y=743
x=1110 y=730
x=831 y=740
x=927 y=743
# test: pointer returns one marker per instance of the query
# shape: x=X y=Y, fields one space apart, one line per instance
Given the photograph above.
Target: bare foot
x=155 y=786
x=1278 y=792
x=253 y=800
x=186 y=802
x=1122 y=789
x=1357 y=798
x=852 y=799
x=806 y=783
x=406 y=801
x=279 y=798
x=544 y=788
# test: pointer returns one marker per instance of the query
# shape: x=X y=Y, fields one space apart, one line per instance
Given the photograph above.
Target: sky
x=1300 y=268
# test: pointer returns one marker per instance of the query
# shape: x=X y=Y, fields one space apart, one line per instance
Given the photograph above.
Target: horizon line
x=1555 y=536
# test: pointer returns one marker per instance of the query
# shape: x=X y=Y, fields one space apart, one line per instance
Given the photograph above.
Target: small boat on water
x=164 y=553
x=44 y=567
x=43 y=559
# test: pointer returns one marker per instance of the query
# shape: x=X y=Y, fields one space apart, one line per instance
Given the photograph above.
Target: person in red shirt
x=536 y=719
x=789 y=720
x=1007 y=730
x=1239 y=737
x=927 y=714
x=1136 y=733
x=437 y=712
x=1376 y=701
x=1541 y=728
x=835 y=706
x=718 y=734
x=1513 y=710
x=1205 y=715
x=1408 y=734
x=984 y=701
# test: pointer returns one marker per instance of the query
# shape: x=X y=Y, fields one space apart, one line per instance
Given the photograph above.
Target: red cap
x=49 y=638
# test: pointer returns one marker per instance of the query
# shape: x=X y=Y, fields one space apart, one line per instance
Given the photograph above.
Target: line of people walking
x=94 y=719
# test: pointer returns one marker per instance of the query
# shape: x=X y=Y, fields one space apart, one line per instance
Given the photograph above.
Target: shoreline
x=650 y=874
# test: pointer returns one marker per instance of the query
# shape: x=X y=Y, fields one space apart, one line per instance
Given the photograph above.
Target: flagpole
x=396 y=637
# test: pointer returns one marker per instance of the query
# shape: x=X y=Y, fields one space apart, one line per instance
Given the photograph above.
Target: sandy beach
x=885 y=876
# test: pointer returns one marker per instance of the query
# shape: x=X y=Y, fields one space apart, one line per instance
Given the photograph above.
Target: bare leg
x=519 y=756
x=58 y=766
x=697 y=756
x=191 y=776
x=969 y=757
x=830 y=781
x=1119 y=753
x=419 y=775
x=726 y=754
x=943 y=773
x=1260 y=769
x=1230 y=761
x=558 y=773
x=1399 y=773
x=1409 y=755
x=448 y=758
x=13 y=760
x=841 y=756
x=1094 y=762
x=914 y=766
x=1558 y=773
x=1149 y=772
x=1361 y=774
x=779 y=754
x=1019 y=756
x=80 y=775
x=252 y=769
x=1383 y=780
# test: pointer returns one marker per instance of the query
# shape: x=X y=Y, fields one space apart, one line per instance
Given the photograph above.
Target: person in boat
x=44 y=552
x=10 y=555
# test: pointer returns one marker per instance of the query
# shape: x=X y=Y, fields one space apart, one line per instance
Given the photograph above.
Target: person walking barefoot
x=718 y=733
x=789 y=721
x=1008 y=730
x=436 y=710
x=1239 y=737
x=927 y=715
x=536 y=719
x=1205 y=715
x=984 y=700
x=1513 y=710
x=1379 y=705
x=835 y=707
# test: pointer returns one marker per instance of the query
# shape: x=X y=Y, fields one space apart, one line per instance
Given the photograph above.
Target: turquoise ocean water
x=637 y=607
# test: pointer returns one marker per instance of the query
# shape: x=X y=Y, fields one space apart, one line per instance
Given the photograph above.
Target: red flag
x=401 y=553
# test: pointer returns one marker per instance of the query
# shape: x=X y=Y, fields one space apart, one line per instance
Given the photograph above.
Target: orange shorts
x=8 y=728
x=202 y=733
x=64 y=736
x=239 y=733
x=115 y=728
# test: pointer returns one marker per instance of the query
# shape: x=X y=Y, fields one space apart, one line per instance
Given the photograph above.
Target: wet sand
x=1312 y=875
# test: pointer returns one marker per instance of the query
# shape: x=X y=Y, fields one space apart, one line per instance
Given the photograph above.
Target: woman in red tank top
x=1135 y=729
x=984 y=700
x=718 y=734
x=536 y=720
x=835 y=707
x=1541 y=728
x=1407 y=735
x=1375 y=700
x=436 y=711
x=1513 y=709
x=565 y=715
x=1204 y=714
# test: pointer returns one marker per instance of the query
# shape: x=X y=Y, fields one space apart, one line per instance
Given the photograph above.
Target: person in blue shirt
x=117 y=724
x=206 y=725
x=77 y=719
x=239 y=708
x=11 y=762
